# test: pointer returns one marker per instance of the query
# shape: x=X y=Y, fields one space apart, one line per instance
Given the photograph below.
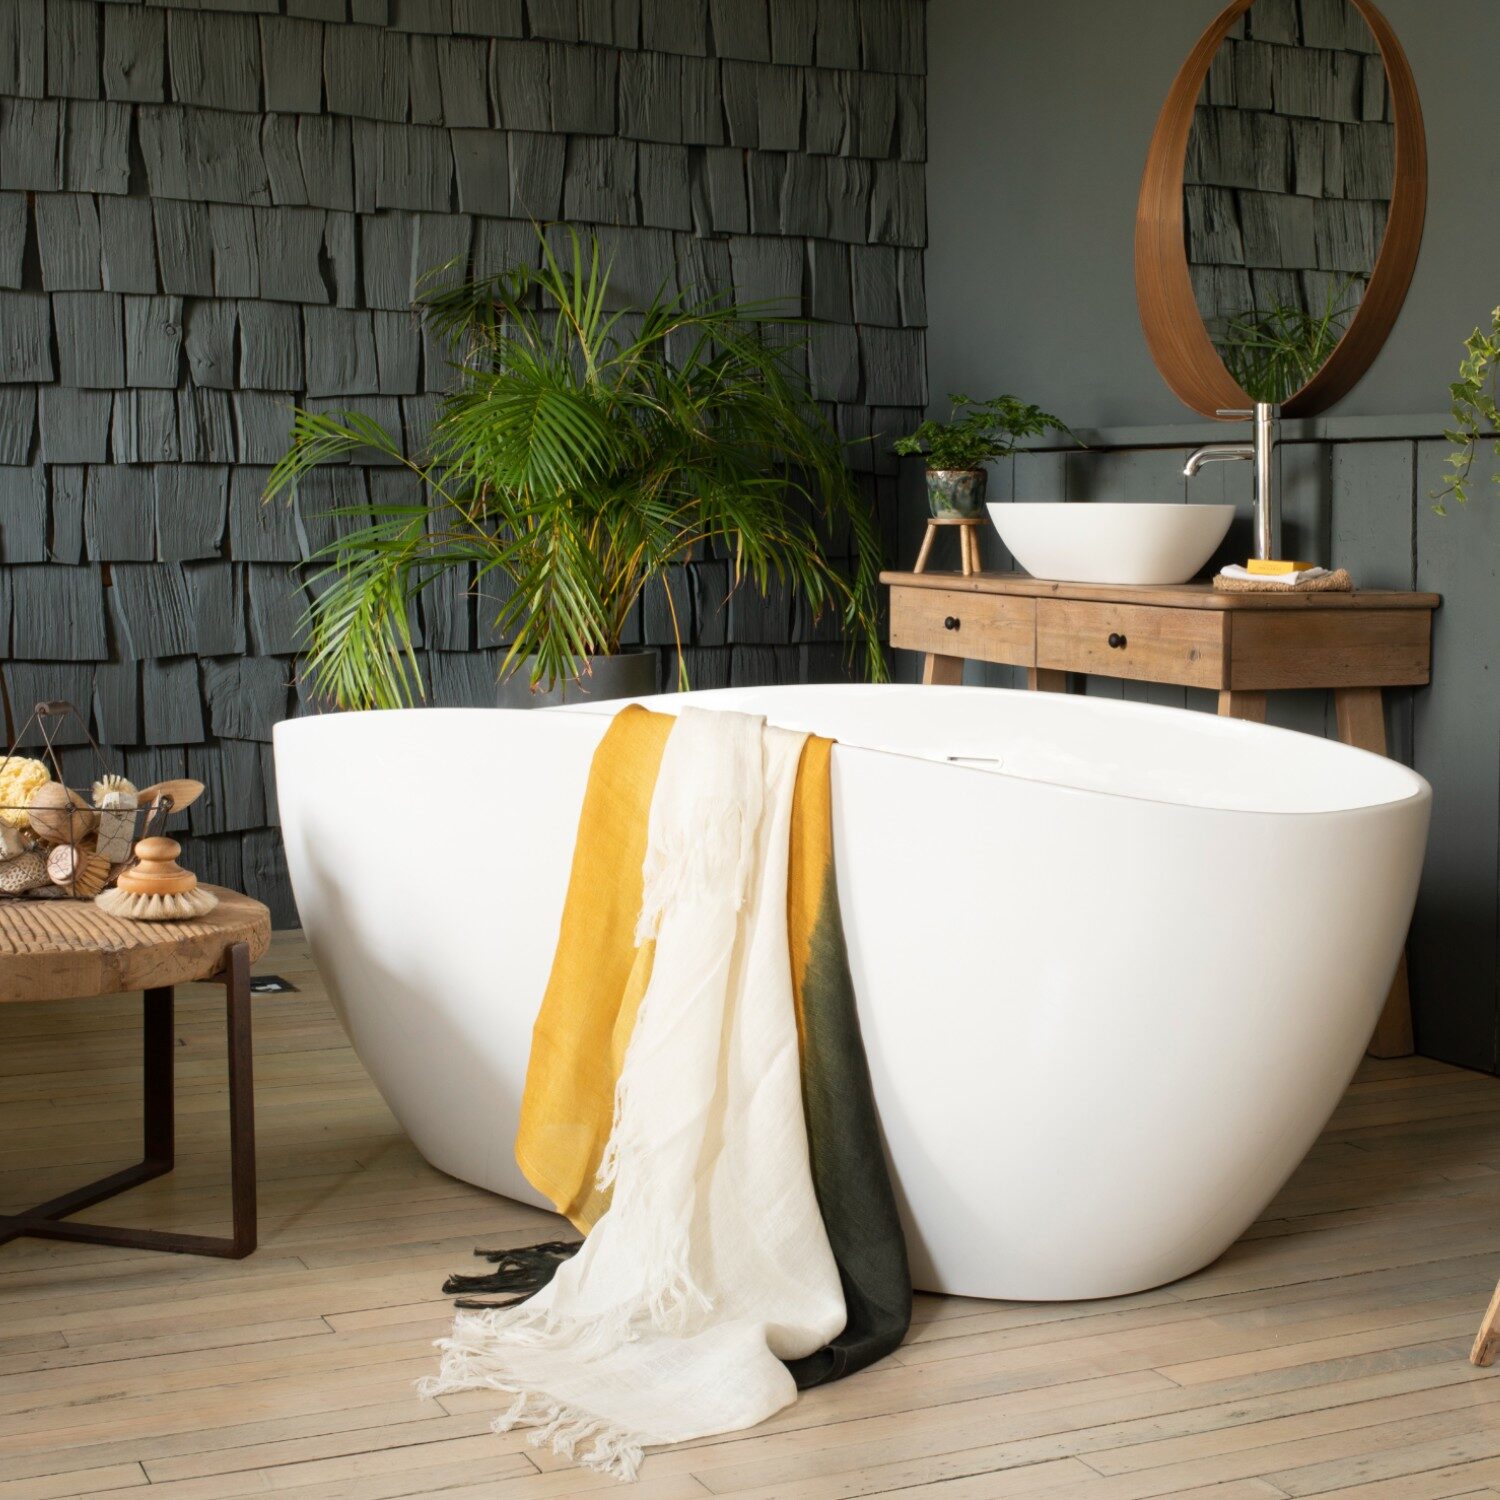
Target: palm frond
x=586 y=450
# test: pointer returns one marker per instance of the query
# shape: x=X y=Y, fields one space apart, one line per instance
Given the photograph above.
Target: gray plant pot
x=956 y=492
x=631 y=674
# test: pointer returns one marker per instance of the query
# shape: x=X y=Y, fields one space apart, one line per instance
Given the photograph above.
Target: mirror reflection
x=1288 y=182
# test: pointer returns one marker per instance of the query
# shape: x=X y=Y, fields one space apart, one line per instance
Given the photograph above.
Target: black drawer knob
x=1116 y=641
x=951 y=623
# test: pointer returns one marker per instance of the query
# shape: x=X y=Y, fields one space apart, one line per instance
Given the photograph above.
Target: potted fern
x=976 y=433
x=581 y=454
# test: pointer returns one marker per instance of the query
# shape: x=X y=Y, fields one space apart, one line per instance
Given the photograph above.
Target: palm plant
x=582 y=453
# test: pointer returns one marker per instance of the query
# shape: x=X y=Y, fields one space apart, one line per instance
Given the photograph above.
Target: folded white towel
x=1234 y=570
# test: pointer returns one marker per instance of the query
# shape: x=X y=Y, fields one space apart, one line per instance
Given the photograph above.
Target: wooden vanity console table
x=1241 y=646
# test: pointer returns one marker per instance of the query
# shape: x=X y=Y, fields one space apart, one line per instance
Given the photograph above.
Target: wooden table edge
x=86 y=971
x=1167 y=596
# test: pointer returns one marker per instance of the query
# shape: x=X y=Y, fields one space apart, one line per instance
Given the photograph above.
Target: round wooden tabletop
x=60 y=950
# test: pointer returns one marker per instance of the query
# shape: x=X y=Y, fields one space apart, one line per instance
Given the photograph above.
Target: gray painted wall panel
x=1039 y=123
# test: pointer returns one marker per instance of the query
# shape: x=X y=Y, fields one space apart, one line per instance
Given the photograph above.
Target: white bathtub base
x=1093 y=1070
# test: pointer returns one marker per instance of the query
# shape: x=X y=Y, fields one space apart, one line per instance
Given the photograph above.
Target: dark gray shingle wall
x=209 y=211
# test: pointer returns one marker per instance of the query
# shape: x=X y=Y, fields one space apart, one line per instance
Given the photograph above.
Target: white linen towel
x=711 y=1263
x=1235 y=570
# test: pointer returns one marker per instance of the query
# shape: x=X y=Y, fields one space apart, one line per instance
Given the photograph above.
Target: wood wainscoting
x=1324 y=1355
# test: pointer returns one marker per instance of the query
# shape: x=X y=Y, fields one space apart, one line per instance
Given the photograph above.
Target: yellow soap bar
x=1272 y=567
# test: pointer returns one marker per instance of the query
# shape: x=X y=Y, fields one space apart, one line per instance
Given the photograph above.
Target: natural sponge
x=19 y=778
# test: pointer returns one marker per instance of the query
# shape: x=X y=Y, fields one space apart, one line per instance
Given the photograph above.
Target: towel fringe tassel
x=523 y=1271
x=467 y=1363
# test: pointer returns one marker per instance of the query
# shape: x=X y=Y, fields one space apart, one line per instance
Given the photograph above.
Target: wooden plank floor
x=1324 y=1355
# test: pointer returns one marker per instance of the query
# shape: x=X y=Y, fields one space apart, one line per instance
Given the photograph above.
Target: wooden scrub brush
x=157 y=888
x=80 y=871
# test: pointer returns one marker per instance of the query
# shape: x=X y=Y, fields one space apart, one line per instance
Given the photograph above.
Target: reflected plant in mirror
x=1287 y=188
x=976 y=433
x=1476 y=411
x=1272 y=352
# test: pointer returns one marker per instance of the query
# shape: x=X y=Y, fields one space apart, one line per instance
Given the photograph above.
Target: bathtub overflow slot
x=1117 y=641
x=951 y=623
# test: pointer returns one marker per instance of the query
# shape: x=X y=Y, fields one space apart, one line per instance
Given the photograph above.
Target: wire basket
x=73 y=850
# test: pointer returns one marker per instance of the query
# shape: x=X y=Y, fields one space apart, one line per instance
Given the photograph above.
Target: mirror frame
x=1175 y=330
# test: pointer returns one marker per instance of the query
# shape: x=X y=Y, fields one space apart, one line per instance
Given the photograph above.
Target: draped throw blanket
x=698 y=1103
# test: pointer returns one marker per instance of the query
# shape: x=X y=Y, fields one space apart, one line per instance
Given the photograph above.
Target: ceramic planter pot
x=956 y=492
x=630 y=674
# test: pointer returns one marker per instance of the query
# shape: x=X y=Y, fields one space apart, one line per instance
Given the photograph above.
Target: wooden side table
x=1240 y=645
x=56 y=950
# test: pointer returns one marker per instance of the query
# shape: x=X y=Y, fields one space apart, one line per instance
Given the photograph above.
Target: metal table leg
x=50 y=1220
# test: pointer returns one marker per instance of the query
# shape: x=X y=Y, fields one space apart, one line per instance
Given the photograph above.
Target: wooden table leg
x=1361 y=720
x=1046 y=680
x=1242 y=705
x=1487 y=1340
x=942 y=671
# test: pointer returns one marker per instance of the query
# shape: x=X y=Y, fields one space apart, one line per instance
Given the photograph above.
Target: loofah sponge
x=19 y=779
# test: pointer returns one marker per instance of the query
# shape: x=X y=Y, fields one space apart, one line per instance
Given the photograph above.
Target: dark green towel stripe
x=848 y=1162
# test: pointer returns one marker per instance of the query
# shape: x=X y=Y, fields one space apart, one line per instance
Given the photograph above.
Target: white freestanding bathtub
x=1115 y=963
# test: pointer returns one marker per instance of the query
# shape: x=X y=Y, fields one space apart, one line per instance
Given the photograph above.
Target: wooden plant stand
x=968 y=543
x=1241 y=646
x=55 y=950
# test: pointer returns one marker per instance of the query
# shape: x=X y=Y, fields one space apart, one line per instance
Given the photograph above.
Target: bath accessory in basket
x=59 y=842
x=156 y=888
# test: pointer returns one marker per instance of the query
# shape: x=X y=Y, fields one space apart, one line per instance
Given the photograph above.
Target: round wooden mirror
x=1282 y=206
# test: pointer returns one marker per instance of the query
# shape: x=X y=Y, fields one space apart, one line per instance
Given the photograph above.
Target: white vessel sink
x=1094 y=542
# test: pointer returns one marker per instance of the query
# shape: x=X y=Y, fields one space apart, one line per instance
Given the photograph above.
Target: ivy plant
x=978 y=431
x=1475 y=411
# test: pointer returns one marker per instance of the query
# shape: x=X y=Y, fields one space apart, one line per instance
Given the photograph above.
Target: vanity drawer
x=979 y=627
x=1146 y=643
x=1333 y=647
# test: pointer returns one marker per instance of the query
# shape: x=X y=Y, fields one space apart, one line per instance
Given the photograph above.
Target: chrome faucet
x=1261 y=452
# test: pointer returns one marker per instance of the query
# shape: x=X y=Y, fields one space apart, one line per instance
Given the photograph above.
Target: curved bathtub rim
x=1420 y=791
x=1419 y=788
